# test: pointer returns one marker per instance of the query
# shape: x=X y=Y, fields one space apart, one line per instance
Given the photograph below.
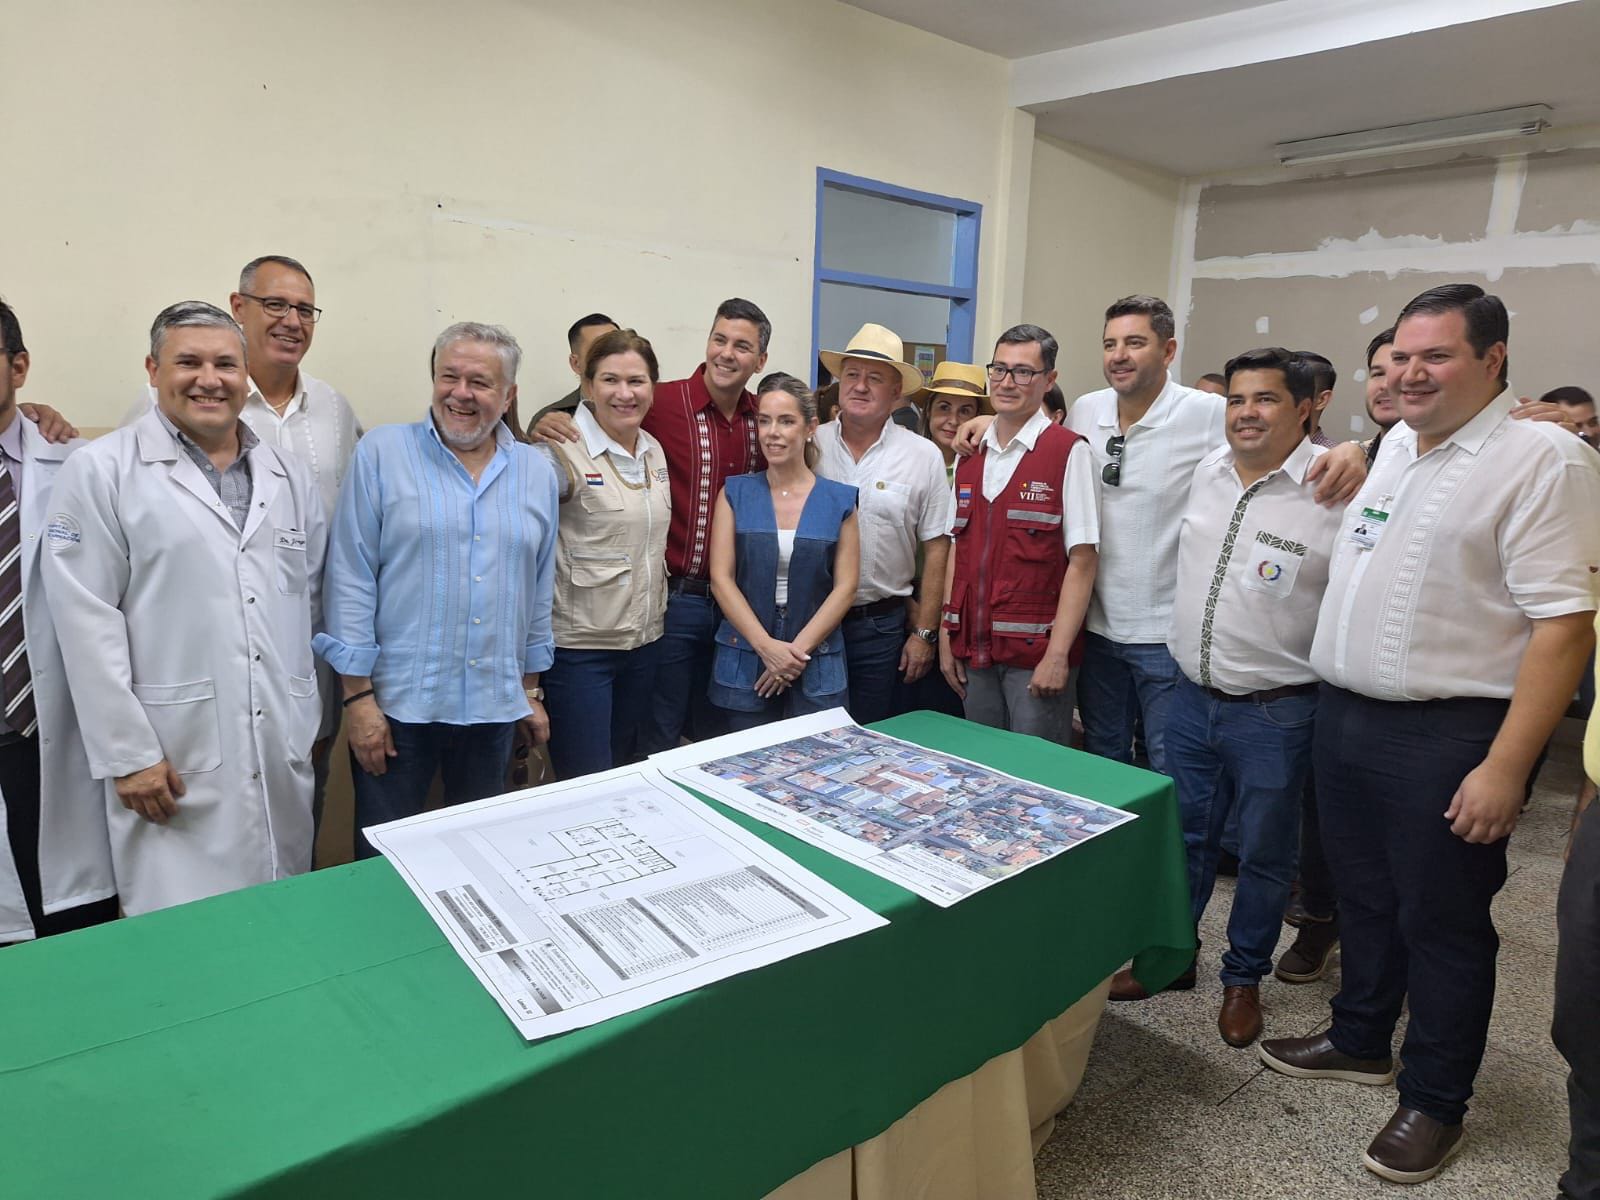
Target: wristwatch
x=931 y=636
x=534 y=694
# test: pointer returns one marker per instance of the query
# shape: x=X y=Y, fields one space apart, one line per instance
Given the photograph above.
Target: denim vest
x=736 y=665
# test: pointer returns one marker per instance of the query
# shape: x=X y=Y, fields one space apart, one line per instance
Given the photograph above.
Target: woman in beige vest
x=611 y=578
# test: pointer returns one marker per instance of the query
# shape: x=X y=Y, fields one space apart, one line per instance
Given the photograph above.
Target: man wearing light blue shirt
x=441 y=567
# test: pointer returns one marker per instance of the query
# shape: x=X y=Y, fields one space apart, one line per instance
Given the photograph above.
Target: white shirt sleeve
x=950 y=522
x=934 y=519
x=1080 y=499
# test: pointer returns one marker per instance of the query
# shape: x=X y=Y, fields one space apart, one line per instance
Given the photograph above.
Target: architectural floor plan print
x=593 y=856
x=592 y=897
x=940 y=825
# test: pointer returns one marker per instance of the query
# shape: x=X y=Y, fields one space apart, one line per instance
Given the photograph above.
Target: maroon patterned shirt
x=702 y=449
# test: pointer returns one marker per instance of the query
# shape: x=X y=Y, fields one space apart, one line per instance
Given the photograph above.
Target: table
x=319 y=1035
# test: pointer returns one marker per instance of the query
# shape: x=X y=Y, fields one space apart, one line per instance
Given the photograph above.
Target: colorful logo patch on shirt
x=594 y=479
x=963 y=493
x=1269 y=570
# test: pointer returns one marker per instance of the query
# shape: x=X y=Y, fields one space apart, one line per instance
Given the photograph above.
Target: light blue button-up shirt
x=439 y=588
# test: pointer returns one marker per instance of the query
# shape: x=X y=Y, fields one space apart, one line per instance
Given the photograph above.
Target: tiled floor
x=1167 y=1109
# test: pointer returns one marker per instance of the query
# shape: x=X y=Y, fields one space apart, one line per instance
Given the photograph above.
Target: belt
x=688 y=585
x=1266 y=696
x=878 y=608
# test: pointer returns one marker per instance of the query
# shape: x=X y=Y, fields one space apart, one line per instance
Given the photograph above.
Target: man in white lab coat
x=41 y=753
x=183 y=560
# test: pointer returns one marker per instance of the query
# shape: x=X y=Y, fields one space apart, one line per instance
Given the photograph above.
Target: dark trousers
x=872 y=649
x=19 y=784
x=470 y=760
x=1576 y=1030
x=598 y=702
x=1413 y=897
x=1316 y=880
x=681 y=707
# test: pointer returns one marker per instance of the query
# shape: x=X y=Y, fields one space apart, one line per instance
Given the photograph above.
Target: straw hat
x=958 y=379
x=877 y=344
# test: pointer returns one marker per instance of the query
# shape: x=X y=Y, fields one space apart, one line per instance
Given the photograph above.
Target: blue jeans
x=1414 y=898
x=471 y=759
x=1249 y=757
x=792 y=701
x=598 y=702
x=1117 y=681
x=872 y=649
x=683 y=672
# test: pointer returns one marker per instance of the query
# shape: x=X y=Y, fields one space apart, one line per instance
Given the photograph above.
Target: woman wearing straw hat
x=956 y=393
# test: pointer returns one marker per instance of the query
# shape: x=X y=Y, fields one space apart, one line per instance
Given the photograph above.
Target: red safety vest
x=1010 y=558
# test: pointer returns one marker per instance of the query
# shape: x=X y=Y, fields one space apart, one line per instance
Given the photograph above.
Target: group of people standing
x=1351 y=672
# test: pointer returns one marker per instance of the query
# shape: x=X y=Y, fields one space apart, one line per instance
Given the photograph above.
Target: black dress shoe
x=1316 y=1057
x=1125 y=987
x=1412 y=1147
x=1307 y=959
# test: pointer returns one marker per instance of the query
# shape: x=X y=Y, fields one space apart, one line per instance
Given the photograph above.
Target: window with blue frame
x=901 y=258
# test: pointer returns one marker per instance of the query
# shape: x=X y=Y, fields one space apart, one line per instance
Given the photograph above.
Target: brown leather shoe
x=1125 y=987
x=1412 y=1147
x=1240 y=1019
x=1316 y=1058
x=1307 y=959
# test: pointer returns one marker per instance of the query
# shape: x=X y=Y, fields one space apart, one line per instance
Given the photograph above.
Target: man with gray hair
x=182 y=560
x=441 y=570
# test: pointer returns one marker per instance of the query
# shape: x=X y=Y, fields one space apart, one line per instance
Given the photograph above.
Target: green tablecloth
x=319 y=1036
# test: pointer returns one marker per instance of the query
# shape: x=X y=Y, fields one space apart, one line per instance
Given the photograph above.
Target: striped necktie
x=14 y=673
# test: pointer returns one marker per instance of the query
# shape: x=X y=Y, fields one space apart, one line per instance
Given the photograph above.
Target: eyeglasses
x=1023 y=375
x=1111 y=476
x=277 y=306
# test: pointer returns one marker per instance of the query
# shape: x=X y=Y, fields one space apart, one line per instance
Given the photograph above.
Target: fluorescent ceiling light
x=1419 y=135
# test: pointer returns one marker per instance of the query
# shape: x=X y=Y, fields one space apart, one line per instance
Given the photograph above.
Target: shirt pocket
x=306 y=705
x=1272 y=565
x=597 y=495
x=887 y=502
x=184 y=717
x=289 y=560
x=1035 y=535
x=601 y=586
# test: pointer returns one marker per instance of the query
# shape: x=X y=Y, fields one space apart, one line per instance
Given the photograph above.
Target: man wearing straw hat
x=902 y=484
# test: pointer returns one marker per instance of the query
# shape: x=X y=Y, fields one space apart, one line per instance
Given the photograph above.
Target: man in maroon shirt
x=706 y=425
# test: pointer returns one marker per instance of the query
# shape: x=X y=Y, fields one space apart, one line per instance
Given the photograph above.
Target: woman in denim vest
x=785 y=556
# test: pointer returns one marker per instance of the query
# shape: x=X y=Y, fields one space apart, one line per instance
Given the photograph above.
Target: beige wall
x=1098 y=228
x=1324 y=262
x=518 y=161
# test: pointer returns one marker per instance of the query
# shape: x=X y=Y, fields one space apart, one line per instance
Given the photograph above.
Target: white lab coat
x=74 y=856
x=188 y=641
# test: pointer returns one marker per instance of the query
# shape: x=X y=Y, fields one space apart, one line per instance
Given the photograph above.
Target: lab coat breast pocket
x=290 y=560
x=184 y=717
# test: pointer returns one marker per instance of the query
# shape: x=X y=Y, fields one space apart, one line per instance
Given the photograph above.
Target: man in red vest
x=1025 y=519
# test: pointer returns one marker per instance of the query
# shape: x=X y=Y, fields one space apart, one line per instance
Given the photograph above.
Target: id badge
x=1369 y=526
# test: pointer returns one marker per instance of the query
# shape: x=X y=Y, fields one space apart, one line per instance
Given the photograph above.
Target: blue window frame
x=957 y=286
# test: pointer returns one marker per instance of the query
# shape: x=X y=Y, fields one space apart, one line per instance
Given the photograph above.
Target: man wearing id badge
x=1457 y=619
x=183 y=564
x=1253 y=553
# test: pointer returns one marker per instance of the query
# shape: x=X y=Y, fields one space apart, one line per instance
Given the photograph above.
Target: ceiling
x=1229 y=119
x=1198 y=87
x=1017 y=28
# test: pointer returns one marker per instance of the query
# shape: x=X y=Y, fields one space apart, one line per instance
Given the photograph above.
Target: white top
x=1080 y=485
x=1139 y=520
x=597 y=442
x=1252 y=567
x=318 y=426
x=785 y=553
x=1486 y=533
x=902 y=496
